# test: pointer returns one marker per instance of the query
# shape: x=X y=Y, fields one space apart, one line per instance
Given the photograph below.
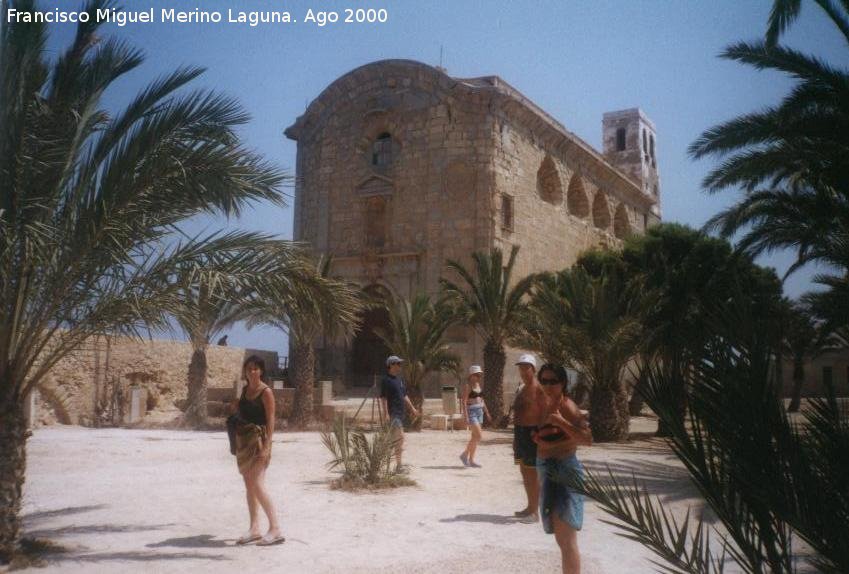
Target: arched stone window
x=621 y=223
x=645 y=145
x=381 y=150
x=375 y=222
x=620 y=139
x=601 y=211
x=576 y=198
x=549 y=187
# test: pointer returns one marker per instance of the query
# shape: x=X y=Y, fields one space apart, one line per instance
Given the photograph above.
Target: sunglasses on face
x=548 y=381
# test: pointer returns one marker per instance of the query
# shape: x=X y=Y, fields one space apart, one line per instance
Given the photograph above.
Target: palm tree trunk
x=493 y=389
x=302 y=368
x=798 y=382
x=606 y=403
x=196 y=401
x=13 y=464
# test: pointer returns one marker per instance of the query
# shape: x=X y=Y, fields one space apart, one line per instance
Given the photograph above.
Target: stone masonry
x=93 y=382
x=401 y=167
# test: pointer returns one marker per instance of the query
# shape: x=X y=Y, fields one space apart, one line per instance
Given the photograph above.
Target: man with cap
x=528 y=409
x=393 y=393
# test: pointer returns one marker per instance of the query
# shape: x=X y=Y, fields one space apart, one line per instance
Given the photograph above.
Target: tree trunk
x=605 y=415
x=798 y=382
x=679 y=390
x=196 y=401
x=607 y=403
x=302 y=372
x=13 y=464
x=635 y=405
x=493 y=387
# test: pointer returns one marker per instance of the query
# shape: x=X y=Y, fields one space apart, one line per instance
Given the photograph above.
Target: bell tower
x=629 y=144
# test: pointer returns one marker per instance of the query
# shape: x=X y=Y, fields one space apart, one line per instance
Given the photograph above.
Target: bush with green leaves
x=364 y=463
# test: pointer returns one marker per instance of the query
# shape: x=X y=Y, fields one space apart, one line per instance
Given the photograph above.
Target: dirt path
x=172 y=501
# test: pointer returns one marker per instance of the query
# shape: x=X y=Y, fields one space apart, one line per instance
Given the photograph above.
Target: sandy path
x=172 y=501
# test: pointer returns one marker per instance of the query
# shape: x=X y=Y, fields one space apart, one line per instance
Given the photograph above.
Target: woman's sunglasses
x=549 y=381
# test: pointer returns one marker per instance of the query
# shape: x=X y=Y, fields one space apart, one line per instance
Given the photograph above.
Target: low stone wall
x=91 y=386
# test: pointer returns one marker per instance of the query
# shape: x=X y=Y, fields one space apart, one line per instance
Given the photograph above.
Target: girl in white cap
x=474 y=409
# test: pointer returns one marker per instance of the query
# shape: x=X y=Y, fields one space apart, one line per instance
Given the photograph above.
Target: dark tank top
x=252 y=411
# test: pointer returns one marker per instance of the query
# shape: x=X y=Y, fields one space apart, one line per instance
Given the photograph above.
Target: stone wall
x=93 y=382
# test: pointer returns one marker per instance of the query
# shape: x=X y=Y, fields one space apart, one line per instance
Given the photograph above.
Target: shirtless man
x=529 y=412
x=564 y=429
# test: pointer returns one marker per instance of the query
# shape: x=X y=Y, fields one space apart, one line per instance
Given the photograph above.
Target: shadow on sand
x=199 y=541
x=488 y=518
x=35 y=517
x=136 y=557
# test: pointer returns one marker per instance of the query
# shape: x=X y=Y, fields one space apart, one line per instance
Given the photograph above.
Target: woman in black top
x=253 y=450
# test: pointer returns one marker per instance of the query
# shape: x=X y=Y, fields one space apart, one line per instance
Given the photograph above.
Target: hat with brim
x=527 y=359
x=393 y=360
x=475 y=370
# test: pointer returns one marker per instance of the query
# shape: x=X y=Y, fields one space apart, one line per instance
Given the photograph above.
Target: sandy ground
x=172 y=501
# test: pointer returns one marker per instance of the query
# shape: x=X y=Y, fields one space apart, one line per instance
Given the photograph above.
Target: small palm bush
x=365 y=463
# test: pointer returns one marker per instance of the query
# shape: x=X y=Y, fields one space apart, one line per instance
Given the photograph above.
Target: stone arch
x=621 y=222
x=601 y=211
x=576 y=198
x=549 y=187
x=368 y=351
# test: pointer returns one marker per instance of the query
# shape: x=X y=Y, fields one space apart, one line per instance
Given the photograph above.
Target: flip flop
x=248 y=539
x=271 y=541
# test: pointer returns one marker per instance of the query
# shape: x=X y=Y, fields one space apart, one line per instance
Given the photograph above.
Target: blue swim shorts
x=555 y=497
x=475 y=414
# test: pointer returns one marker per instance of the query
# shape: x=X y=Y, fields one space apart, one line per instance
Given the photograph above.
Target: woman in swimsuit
x=253 y=450
x=563 y=430
x=474 y=409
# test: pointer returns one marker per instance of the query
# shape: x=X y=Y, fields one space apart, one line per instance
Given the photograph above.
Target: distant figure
x=222 y=342
x=253 y=450
x=474 y=409
x=528 y=416
x=393 y=394
x=564 y=428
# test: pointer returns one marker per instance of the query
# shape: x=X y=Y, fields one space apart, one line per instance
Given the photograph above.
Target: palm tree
x=331 y=310
x=798 y=150
x=681 y=273
x=416 y=332
x=88 y=205
x=775 y=485
x=486 y=300
x=232 y=284
x=590 y=323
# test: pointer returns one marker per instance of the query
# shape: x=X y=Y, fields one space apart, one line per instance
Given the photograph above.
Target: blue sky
x=576 y=59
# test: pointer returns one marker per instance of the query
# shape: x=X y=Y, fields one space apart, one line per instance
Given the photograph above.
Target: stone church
x=401 y=167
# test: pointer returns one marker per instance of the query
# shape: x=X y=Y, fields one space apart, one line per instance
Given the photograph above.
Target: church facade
x=401 y=167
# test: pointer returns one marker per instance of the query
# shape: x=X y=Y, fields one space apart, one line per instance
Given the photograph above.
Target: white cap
x=527 y=358
x=474 y=370
x=393 y=359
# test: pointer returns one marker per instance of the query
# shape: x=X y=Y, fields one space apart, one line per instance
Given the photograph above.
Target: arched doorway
x=368 y=351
